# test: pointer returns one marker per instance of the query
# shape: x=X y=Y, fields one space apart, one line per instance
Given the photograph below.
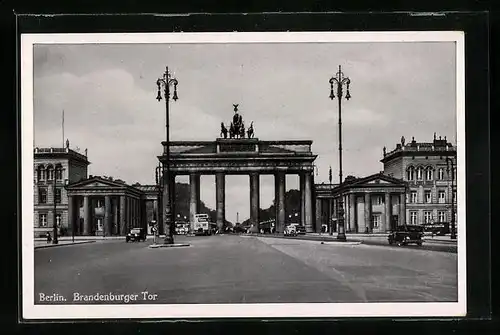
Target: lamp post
x=165 y=82
x=337 y=82
x=450 y=162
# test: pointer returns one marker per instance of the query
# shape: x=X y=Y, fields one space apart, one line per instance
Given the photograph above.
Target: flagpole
x=63 y=128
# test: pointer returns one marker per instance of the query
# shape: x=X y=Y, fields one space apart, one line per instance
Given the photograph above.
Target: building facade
x=83 y=204
x=429 y=169
x=53 y=169
x=373 y=204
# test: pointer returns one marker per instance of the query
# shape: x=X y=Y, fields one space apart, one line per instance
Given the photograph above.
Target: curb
x=342 y=243
x=61 y=245
x=176 y=245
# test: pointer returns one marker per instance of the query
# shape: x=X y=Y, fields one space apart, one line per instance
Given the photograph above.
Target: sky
x=108 y=91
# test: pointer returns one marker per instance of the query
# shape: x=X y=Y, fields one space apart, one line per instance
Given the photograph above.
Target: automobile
x=406 y=234
x=294 y=229
x=136 y=235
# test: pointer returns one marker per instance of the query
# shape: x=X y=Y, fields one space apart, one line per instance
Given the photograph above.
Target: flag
x=330 y=174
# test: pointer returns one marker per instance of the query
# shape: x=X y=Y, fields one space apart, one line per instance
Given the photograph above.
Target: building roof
x=438 y=146
x=377 y=180
x=98 y=182
x=60 y=153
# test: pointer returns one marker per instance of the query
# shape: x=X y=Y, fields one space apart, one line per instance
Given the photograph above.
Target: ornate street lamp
x=165 y=82
x=450 y=162
x=338 y=82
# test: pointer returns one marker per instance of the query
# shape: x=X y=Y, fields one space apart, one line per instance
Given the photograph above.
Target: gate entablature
x=239 y=156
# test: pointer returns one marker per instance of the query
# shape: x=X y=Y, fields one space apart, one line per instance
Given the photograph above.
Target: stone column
x=129 y=213
x=194 y=196
x=172 y=197
x=386 y=223
x=254 y=201
x=220 y=181
x=402 y=209
x=319 y=216
x=308 y=203
x=71 y=214
x=368 y=213
x=280 y=201
x=86 y=215
x=114 y=204
x=123 y=226
x=302 y=183
x=155 y=210
x=352 y=212
x=106 y=227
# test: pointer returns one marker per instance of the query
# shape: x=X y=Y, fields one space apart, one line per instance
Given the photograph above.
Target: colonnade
x=362 y=222
x=306 y=186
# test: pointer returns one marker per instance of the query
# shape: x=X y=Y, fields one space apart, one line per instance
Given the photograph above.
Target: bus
x=203 y=226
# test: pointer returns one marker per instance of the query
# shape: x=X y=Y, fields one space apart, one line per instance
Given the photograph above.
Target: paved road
x=237 y=269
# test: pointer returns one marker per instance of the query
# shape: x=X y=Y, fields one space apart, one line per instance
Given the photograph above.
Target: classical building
x=429 y=169
x=53 y=169
x=371 y=204
x=106 y=207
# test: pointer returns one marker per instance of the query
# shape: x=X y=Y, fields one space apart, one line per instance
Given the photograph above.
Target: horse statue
x=242 y=130
x=232 y=131
x=223 y=130
x=250 y=131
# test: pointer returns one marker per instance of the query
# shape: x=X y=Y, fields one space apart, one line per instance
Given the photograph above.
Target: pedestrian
x=49 y=238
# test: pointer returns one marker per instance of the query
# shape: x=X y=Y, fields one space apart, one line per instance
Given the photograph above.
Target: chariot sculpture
x=237 y=127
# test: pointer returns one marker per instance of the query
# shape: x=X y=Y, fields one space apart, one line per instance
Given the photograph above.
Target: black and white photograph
x=225 y=175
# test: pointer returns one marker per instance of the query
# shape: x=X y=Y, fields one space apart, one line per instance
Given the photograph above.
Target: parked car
x=294 y=229
x=406 y=234
x=136 y=235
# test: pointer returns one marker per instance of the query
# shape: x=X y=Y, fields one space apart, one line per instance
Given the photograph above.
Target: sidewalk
x=44 y=244
x=83 y=238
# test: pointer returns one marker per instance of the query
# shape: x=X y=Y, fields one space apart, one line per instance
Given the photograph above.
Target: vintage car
x=406 y=234
x=294 y=229
x=136 y=235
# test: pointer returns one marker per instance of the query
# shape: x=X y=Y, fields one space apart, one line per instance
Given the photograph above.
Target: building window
x=410 y=173
x=42 y=195
x=41 y=173
x=427 y=217
x=379 y=200
x=428 y=174
x=428 y=197
x=413 y=217
x=58 y=219
x=454 y=197
x=42 y=220
x=441 y=196
x=440 y=173
x=414 y=197
x=441 y=216
x=59 y=173
x=58 y=195
x=376 y=220
x=99 y=203
x=419 y=173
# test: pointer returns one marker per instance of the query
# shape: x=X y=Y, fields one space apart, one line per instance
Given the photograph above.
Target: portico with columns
x=244 y=156
x=104 y=207
x=373 y=204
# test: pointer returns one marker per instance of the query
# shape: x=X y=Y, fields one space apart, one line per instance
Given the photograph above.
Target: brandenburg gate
x=240 y=155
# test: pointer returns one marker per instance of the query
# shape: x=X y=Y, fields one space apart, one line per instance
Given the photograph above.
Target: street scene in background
x=233 y=173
